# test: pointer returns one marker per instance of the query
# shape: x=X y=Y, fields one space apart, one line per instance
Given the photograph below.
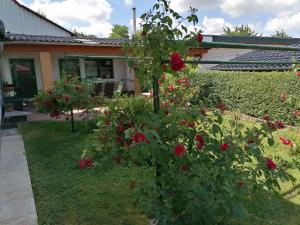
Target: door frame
x=13 y=72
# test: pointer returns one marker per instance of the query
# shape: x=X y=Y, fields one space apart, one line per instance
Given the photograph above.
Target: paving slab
x=17 y=205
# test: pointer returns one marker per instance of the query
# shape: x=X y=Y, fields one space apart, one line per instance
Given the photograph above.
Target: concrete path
x=16 y=198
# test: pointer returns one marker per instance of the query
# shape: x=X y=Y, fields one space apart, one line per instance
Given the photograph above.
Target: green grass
x=64 y=194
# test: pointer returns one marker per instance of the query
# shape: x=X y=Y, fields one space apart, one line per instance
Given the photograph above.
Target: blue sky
x=98 y=16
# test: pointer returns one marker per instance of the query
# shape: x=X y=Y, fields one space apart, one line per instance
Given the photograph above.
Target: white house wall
x=7 y=76
x=21 y=21
x=222 y=54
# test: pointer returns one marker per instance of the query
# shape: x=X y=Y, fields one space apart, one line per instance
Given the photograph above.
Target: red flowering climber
x=176 y=62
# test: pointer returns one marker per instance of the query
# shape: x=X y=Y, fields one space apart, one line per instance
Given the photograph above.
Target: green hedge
x=251 y=93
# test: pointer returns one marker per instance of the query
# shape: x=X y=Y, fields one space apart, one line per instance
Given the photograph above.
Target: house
x=35 y=51
x=262 y=55
x=225 y=54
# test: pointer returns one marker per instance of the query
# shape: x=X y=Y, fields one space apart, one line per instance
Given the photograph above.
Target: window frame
x=62 y=60
x=99 y=63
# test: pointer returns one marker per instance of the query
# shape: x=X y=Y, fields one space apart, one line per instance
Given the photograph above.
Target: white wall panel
x=21 y=21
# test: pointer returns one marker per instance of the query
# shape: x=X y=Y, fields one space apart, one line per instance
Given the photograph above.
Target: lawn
x=64 y=194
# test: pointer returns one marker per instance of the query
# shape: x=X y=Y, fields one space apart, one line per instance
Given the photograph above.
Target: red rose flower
x=201 y=143
x=67 y=98
x=179 y=150
x=286 y=141
x=183 y=122
x=199 y=138
x=139 y=137
x=199 y=38
x=130 y=124
x=184 y=168
x=121 y=128
x=272 y=125
x=280 y=124
x=250 y=142
x=176 y=62
x=295 y=114
x=171 y=88
x=266 y=117
x=224 y=147
x=78 y=88
x=221 y=106
x=192 y=125
x=89 y=162
x=298 y=73
x=54 y=113
x=240 y=184
x=271 y=165
x=119 y=139
x=47 y=103
x=50 y=91
x=164 y=67
x=82 y=164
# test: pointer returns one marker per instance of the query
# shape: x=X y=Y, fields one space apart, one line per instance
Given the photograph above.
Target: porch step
x=12 y=119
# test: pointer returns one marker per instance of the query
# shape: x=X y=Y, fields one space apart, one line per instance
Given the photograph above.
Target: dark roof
x=42 y=17
x=254 y=39
x=62 y=40
x=262 y=55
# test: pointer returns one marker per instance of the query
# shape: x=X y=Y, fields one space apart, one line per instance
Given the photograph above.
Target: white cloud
x=214 y=25
x=128 y=2
x=90 y=16
x=289 y=23
x=184 y=5
x=236 y=8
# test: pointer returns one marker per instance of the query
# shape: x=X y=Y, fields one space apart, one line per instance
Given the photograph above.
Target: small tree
x=242 y=30
x=66 y=95
x=119 y=31
x=281 y=34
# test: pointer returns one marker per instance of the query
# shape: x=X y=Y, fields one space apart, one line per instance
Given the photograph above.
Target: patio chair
x=109 y=89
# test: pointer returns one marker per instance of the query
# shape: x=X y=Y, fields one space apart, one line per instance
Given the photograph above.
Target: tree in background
x=239 y=30
x=119 y=31
x=281 y=34
x=81 y=34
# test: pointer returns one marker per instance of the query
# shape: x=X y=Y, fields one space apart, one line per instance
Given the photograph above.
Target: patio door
x=23 y=77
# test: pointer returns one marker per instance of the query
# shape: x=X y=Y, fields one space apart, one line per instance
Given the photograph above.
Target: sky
x=98 y=16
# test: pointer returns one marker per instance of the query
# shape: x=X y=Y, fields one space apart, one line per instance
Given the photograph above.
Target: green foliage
x=281 y=34
x=119 y=31
x=242 y=30
x=202 y=178
x=161 y=26
x=81 y=34
x=254 y=94
x=65 y=95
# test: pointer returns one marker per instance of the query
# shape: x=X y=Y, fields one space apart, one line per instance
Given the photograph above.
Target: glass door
x=23 y=77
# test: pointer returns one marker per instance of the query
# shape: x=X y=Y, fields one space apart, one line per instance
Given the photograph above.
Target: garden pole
x=72 y=120
x=155 y=94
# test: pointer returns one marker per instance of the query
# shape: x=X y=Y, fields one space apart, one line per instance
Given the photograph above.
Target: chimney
x=134 y=20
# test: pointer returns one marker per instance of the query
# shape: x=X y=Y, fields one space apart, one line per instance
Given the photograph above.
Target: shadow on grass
x=293 y=192
x=274 y=209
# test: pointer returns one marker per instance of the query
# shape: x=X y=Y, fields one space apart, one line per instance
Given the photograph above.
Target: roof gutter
x=60 y=43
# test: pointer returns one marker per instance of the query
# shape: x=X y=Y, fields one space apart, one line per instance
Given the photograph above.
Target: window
x=69 y=67
x=99 y=68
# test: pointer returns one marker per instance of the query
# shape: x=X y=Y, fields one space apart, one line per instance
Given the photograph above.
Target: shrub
x=202 y=170
x=251 y=93
x=66 y=95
